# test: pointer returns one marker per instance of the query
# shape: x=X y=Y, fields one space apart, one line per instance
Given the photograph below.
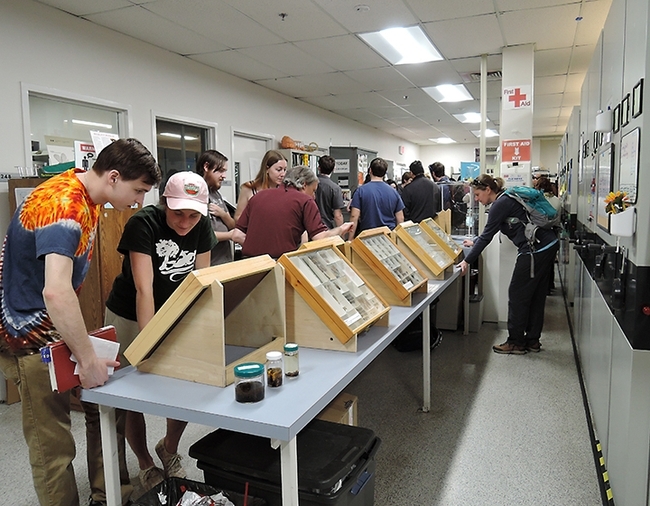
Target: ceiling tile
x=347 y=101
x=593 y=15
x=473 y=64
x=287 y=58
x=87 y=7
x=382 y=14
x=429 y=74
x=342 y=53
x=513 y=5
x=451 y=37
x=552 y=62
x=334 y=83
x=380 y=79
x=303 y=21
x=238 y=64
x=549 y=85
x=142 y=24
x=545 y=101
x=440 y=10
x=533 y=26
x=215 y=20
x=581 y=58
x=408 y=97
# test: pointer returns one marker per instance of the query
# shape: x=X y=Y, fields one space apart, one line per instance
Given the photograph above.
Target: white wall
x=46 y=47
x=450 y=155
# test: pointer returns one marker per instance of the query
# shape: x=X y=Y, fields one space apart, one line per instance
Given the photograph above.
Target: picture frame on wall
x=616 y=118
x=625 y=110
x=637 y=99
x=604 y=184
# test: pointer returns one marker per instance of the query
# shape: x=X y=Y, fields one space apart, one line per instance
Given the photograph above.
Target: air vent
x=475 y=77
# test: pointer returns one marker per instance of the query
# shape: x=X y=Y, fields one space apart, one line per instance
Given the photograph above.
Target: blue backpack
x=540 y=213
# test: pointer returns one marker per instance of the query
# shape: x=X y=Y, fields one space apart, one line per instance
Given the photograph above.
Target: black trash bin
x=169 y=492
x=336 y=464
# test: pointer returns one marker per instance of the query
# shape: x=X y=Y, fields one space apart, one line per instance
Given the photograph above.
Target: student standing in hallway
x=421 y=196
x=529 y=283
x=329 y=196
x=375 y=204
x=270 y=175
x=213 y=167
x=46 y=256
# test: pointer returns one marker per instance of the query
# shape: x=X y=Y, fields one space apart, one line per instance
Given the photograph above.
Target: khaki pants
x=46 y=427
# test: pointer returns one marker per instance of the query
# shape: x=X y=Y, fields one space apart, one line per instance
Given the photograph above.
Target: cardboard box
x=343 y=410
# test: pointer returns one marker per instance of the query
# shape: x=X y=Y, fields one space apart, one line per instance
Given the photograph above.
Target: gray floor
x=503 y=430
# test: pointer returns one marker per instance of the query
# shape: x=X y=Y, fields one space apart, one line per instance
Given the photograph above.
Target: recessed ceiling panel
x=549 y=85
x=347 y=101
x=81 y=8
x=429 y=74
x=409 y=97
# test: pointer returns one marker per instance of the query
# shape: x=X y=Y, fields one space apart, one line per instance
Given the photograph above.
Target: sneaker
x=171 y=461
x=534 y=346
x=151 y=477
x=509 y=349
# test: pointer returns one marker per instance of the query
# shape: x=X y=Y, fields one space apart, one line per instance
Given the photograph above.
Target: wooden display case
x=422 y=248
x=386 y=267
x=217 y=318
x=452 y=248
x=328 y=302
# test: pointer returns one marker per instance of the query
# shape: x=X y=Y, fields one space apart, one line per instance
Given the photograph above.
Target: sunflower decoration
x=616 y=202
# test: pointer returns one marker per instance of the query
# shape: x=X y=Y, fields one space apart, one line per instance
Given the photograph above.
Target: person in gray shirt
x=329 y=196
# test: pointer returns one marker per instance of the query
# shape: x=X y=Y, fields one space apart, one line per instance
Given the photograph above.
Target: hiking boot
x=151 y=477
x=171 y=461
x=534 y=346
x=509 y=349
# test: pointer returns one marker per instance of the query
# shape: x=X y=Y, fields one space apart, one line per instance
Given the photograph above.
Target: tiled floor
x=503 y=430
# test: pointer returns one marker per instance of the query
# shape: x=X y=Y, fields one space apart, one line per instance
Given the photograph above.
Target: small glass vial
x=291 y=368
x=249 y=382
x=274 y=368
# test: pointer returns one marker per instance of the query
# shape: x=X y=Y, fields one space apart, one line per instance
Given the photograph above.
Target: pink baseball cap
x=187 y=190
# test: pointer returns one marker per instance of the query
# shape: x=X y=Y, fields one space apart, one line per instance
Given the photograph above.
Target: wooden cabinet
x=106 y=263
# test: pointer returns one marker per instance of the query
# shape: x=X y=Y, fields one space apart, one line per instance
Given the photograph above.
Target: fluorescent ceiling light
x=402 y=45
x=488 y=133
x=448 y=93
x=178 y=136
x=443 y=140
x=92 y=123
x=469 y=117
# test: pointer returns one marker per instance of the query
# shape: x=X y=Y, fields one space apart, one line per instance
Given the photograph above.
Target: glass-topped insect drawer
x=327 y=296
x=425 y=251
x=386 y=266
x=452 y=248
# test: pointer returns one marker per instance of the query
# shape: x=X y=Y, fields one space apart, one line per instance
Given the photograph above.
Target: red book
x=57 y=357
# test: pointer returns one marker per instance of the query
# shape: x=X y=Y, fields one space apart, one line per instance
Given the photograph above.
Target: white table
x=280 y=416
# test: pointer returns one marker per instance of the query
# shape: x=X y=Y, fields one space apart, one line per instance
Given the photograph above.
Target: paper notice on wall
x=59 y=149
x=516 y=174
x=102 y=139
x=84 y=155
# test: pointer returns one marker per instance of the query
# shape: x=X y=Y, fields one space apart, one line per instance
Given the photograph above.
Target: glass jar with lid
x=291 y=368
x=249 y=382
x=274 y=368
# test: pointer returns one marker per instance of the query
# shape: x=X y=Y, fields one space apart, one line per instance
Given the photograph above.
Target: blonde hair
x=261 y=181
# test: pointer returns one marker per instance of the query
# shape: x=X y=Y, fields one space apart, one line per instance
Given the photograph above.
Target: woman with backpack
x=529 y=283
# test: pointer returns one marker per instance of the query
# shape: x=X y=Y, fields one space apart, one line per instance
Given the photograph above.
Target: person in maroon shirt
x=274 y=220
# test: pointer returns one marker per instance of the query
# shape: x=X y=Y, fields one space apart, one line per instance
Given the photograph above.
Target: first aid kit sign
x=517 y=97
x=516 y=150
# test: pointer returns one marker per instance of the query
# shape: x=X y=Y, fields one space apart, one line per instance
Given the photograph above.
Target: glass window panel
x=179 y=147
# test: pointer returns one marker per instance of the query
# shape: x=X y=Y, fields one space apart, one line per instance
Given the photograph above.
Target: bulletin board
x=629 y=173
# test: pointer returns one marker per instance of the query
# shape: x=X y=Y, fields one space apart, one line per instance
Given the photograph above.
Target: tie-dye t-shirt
x=57 y=217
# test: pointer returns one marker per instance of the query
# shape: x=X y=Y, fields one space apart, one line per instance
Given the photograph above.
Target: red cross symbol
x=517 y=98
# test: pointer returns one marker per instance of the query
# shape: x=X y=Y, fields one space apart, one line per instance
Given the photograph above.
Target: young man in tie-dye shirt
x=45 y=258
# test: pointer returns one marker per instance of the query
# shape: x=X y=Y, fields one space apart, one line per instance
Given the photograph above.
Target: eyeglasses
x=478 y=185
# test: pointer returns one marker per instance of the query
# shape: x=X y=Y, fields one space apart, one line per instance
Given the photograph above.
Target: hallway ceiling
x=309 y=50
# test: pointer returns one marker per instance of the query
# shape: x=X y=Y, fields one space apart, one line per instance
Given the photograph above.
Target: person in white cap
x=161 y=245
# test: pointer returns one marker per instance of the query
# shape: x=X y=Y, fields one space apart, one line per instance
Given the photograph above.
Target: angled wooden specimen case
x=452 y=248
x=217 y=318
x=385 y=266
x=422 y=249
x=328 y=302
